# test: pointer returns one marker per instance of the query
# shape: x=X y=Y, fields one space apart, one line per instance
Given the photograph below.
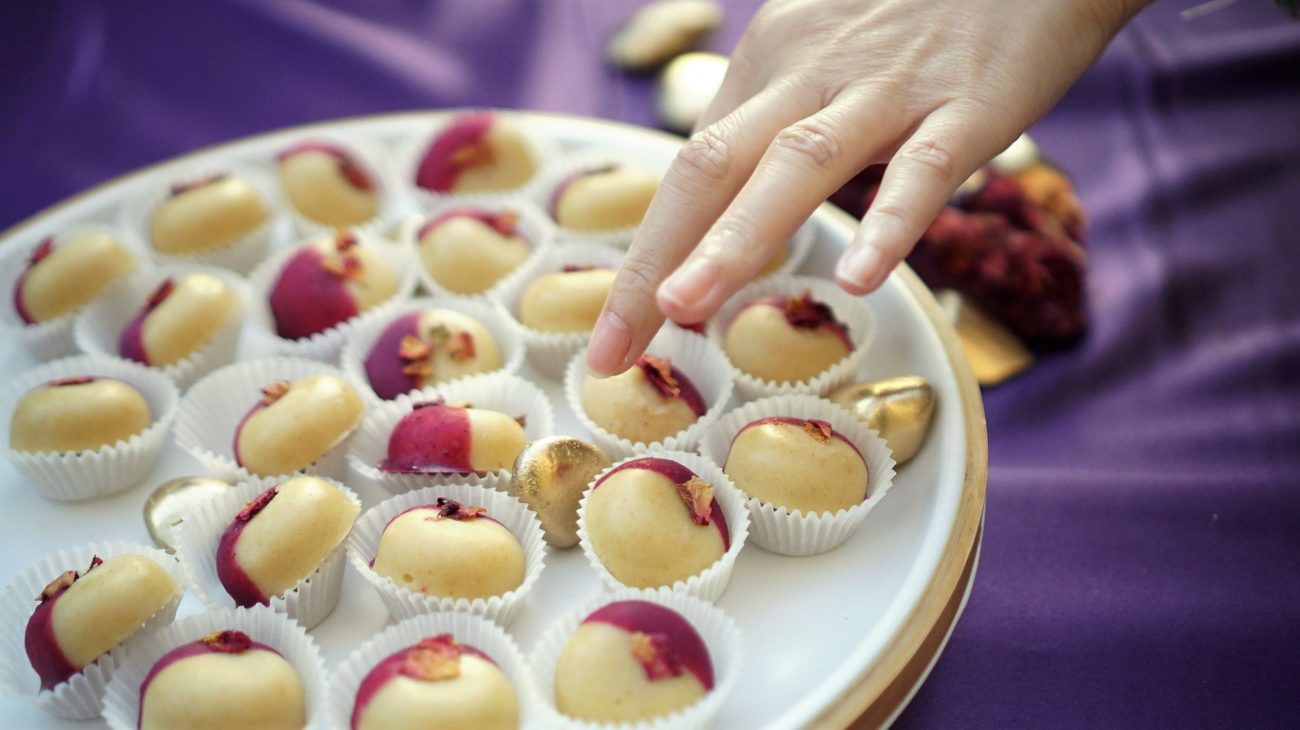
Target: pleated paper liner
x=53 y=338
x=721 y=637
x=697 y=358
x=326 y=345
x=488 y=313
x=81 y=697
x=263 y=625
x=309 y=602
x=82 y=475
x=373 y=158
x=467 y=629
x=403 y=603
x=850 y=310
x=550 y=352
x=99 y=326
x=502 y=392
x=212 y=409
x=561 y=170
x=241 y=255
x=792 y=532
x=709 y=584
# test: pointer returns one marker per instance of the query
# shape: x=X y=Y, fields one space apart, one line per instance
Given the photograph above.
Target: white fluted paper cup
x=852 y=311
x=792 y=532
x=533 y=226
x=53 y=338
x=550 y=352
x=502 y=392
x=403 y=603
x=99 y=326
x=373 y=159
x=212 y=409
x=240 y=255
x=82 y=475
x=82 y=696
x=467 y=629
x=488 y=313
x=565 y=169
x=308 y=602
x=696 y=357
x=262 y=624
x=326 y=345
x=720 y=634
x=709 y=584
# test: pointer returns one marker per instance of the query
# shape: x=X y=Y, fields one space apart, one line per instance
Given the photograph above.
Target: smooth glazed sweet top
x=468 y=250
x=327 y=282
x=208 y=214
x=328 y=185
x=476 y=152
x=786 y=340
x=77 y=414
x=797 y=464
x=427 y=348
x=648 y=402
x=569 y=300
x=603 y=199
x=181 y=317
x=294 y=424
x=439 y=438
x=63 y=276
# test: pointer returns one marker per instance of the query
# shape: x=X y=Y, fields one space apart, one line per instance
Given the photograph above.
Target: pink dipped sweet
x=630 y=661
x=62 y=276
x=438 y=438
x=653 y=522
x=223 y=680
x=786 y=339
x=181 y=317
x=797 y=464
x=436 y=684
x=326 y=283
x=328 y=185
x=468 y=250
x=427 y=348
x=294 y=424
x=646 y=403
x=281 y=537
x=476 y=152
x=81 y=616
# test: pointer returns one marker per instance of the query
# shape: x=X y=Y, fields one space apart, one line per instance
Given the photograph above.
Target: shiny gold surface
x=899 y=409
x=995 y=354
x=550 y=476
x=171 y=501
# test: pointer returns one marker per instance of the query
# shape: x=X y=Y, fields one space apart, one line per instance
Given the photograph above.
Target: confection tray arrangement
x=828 y=639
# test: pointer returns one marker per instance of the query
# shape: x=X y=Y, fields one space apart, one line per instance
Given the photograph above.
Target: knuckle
x=638 y=279
x=811 y=140
x=706 y=153
x=931 y=156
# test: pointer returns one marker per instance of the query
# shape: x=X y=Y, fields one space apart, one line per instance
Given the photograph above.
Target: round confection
x=206 y=215
x=326 y=184
x=282 y=536
x=467 y=251
x=449 y=550
x=603 y=199
x=328 y=282
x=224 y=680
x=653 y=522
x=648 y=402
x=437 y=438
x=569 y=300
x=180 y=318
x=629 y=661
x=429 y=347
x=437 y=684
x=797 y=464
x=294 y=424
x=80 y=616
x=63 y=276
x=786 y=339
x=77 y=414
x=476 y=152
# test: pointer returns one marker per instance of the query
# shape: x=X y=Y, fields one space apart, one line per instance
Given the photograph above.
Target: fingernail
x=609 y=343
x=860 y=266
x=689 y=284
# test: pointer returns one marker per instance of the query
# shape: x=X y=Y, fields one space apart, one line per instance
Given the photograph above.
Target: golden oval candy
x=566 y=301
x=899 y=409
x=605 y=200
x=77 y=414
x=550 y=476
x=207 y=216
x=73 y=273
x=298 y=426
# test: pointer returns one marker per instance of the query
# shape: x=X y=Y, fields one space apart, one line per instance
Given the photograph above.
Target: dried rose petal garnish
x=522 y=420
x=344 y=267
x=820 y=430
x=415 y=353
x=181 y=188
x=275 y=391
x=697 y=495
x=804 y=311
x=655 y=653
x=575 y=268
x=66 y=579
x=345 y=241
x=505 y=222
x=43 y=249
x=462 y=346
x=453 y=510
x=355 y=174
x=75 y=380
x=471 y=154
x=434 y=659
x=227 y=642
x=160 y=294
x=659 y=371
x=255 y=505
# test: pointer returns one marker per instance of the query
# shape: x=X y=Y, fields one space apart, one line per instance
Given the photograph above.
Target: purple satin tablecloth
x=1141 y=561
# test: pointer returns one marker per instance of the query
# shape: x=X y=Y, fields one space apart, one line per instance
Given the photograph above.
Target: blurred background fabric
x=1141 y=559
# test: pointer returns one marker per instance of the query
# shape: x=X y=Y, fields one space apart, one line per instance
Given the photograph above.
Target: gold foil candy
x=550 y=476
x=995 y=354
x=899 y=409
x=172 y=501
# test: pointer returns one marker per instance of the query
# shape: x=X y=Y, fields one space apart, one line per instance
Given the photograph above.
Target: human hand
x=818 y=90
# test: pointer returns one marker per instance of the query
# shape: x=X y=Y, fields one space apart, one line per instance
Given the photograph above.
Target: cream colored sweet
x=77 y=414
x=797 y=464
x=447 y=550
x=63 y=276
x=377 y=282
x=448 y=327
x=281 y=537
x=207 y=215
x=82 y=616
x=786 y=340
x=566 y=301
x=181 y=317
x=466 y=254
x=477 y=151
x=606 y=199
x=221 y=682
x=327 y=185
x=646 y=403
x=295 y=424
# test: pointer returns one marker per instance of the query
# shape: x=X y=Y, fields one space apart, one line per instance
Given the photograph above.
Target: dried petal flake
x=655 y=653
x=697 y=495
